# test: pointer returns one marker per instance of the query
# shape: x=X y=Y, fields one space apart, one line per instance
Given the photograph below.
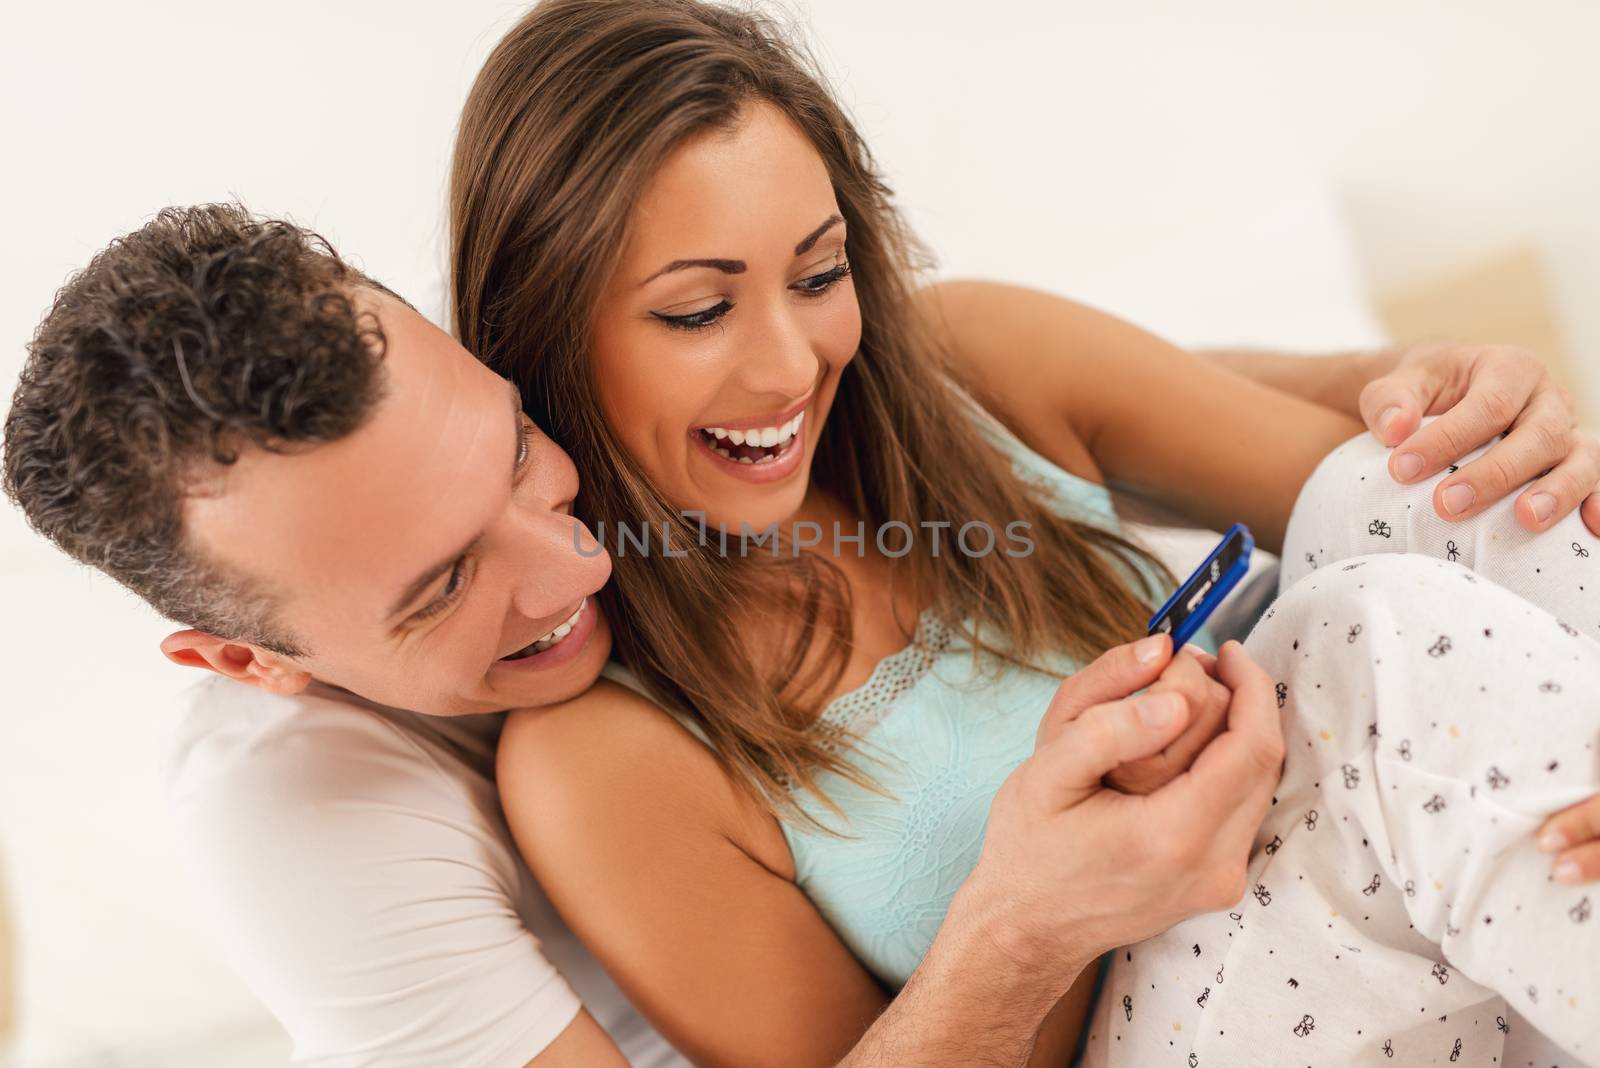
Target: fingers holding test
x=1116 y=673
x=1078 y=756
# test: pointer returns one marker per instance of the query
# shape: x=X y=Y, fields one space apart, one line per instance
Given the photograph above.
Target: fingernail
x=1567 y=872
x=1386 y=417
x=1147 y=649
x=1408 y=465
x=1552 y=841
x=1155 y=710
x=1459 y=498
x=1543 y=504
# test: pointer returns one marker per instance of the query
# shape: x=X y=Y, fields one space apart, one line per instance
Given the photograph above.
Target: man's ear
x=249 y=664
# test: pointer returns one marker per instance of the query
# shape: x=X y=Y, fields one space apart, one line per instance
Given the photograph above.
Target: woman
x=650 y=211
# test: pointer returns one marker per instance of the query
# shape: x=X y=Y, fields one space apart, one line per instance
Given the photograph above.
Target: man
x=374 y=552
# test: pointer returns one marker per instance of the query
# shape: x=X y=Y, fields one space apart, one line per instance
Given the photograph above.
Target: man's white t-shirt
x=361 y=877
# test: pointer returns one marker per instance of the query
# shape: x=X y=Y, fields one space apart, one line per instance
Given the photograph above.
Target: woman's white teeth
x=766 y=437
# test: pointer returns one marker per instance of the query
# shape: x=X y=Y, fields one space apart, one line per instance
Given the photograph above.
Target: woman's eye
x=821 y=283
x=696 y=320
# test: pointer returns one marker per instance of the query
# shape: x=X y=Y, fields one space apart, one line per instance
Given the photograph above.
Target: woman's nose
x=777 y=359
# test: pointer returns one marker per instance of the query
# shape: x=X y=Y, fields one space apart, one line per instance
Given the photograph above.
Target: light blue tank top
x=939 y=731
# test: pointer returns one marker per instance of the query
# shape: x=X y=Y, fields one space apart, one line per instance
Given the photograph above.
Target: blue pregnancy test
x=1187 y=609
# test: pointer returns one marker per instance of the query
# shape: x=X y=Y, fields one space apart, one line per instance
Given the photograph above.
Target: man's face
x=417 y=557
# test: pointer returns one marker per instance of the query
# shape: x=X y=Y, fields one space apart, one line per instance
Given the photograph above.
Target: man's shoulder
x=230 y=741
x=324 y=785
x=217 y=710
x=311 y=821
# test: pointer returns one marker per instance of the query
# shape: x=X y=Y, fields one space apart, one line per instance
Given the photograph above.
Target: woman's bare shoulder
x=607 y=716
x=680 y=886
x=612 y=757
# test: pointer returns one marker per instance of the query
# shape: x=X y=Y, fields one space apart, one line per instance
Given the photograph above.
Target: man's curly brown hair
x=201 y=334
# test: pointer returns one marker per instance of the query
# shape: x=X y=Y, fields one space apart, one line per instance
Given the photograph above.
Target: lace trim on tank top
x=860 y=709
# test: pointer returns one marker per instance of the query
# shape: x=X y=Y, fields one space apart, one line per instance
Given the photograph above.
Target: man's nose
x=559 y=563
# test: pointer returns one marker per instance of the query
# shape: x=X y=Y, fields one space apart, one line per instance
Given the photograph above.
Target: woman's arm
x=679 y=884
x=683 y=889
x=1197 y=438
x=1038 y=355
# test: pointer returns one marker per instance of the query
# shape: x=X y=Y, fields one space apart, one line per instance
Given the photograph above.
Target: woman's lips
x=763 y=420
x=781 y=465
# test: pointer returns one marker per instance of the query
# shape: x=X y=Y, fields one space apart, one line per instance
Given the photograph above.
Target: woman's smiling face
x=720 y=339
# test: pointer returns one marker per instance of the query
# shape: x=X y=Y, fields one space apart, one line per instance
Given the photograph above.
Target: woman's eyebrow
x=725 y=266
x=739 y=266
x=811 y=239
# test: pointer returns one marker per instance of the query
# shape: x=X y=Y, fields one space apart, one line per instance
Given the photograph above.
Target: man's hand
x=1191 y=674
x=1072 y=869
x=1574 y=836
x=1479 y=391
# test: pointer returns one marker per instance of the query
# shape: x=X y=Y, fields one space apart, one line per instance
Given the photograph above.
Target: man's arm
x=1478 y=391
x=972 y=1001
x=1332 y=381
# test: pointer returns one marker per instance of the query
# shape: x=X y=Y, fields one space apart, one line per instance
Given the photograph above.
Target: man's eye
x=452 y=589
x=524 y=438
x=696 y=320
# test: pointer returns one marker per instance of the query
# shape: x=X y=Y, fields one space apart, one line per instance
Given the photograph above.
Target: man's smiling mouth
x=552 y=639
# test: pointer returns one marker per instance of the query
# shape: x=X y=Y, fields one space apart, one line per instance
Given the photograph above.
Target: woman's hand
x=1574 y=836
x=1192 y=675
x=1076 y=869
x=1479 y=391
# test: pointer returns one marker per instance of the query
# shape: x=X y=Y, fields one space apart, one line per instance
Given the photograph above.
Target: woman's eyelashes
x=696 y=320
x=821 y=283
x=812 y=286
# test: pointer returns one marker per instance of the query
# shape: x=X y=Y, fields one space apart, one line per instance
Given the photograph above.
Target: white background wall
x=1120 y=152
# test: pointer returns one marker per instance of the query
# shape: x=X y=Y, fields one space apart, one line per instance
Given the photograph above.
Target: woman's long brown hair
x=568 y=121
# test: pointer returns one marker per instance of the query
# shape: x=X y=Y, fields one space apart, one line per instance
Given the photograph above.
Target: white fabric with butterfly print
x=1440 y=700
